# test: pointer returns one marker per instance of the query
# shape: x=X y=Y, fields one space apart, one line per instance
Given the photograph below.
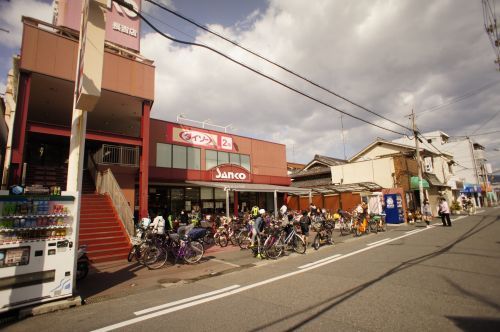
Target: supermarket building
x=143 y=164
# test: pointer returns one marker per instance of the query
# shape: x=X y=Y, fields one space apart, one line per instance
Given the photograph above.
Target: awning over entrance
x=255 y=187
x=247 y=187
x=343 y=188
x=414 y=183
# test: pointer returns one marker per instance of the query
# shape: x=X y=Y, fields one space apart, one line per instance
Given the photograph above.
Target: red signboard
x=230 y=173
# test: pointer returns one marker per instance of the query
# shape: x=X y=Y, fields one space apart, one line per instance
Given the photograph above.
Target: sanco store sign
x=230 y=173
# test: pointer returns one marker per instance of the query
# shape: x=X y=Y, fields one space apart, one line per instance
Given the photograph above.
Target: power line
x=485 y=122
x=459 y=98
x=273 y=62
x=121 y=2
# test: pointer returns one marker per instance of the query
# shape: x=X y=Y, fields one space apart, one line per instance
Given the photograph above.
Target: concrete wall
x=377 y=170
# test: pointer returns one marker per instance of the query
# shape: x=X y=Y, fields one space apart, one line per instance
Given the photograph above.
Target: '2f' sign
x=123 y=10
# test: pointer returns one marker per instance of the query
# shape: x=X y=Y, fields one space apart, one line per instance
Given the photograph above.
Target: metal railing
x=107 y=184
x=117 y=155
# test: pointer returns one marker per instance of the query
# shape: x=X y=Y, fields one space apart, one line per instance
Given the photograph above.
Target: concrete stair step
x=93 y=230
x=92 y=247
x=115 y=240
x=99 y=224
x=99 y=234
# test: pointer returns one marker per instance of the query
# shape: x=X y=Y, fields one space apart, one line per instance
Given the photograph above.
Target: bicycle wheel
x=193 y=252
x=273 y=248
x=373 y=226
x=344 y=229
x=298 y=244
x=316 y=242
x=209 y=238
x=132 y=253
x=357 y=231
x=155 y=257
x=244 y=239
x=329 y=236
x=223 y=240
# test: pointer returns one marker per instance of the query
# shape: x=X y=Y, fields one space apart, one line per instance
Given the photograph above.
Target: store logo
x=125 y=11
x=230 y=175
x=196 y=137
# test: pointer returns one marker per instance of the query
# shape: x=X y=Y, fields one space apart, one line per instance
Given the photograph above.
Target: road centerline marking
x=380 y=241
x=319 y=261
x=189 y=299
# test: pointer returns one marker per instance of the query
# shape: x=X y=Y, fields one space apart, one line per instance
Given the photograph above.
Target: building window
x=210 y=159
x=193 y=158
x=234 y=159
x=163 y=155
x=245 y=162
x=222 y=158
x=215 y=158
x=179 y=155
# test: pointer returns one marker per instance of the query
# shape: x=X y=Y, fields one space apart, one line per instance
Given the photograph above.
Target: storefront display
x=36 y=249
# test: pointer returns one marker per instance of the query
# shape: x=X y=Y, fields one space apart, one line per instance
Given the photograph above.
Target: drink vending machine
x=37 y=248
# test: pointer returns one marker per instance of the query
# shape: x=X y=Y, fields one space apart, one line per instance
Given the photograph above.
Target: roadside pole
x=419 y=165
x=86 y=94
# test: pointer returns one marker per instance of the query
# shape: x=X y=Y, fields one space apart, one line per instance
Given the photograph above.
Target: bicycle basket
x=316 y=226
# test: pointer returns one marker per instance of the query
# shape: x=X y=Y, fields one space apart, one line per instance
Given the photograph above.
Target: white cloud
x=389 y=56
x=10 y=18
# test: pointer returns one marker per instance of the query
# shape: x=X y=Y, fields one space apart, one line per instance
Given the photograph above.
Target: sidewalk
x=120 y=278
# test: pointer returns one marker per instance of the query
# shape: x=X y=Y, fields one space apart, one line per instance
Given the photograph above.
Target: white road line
x=413 y=231
x=224 y=262
x=384 y=240
x=189 y=299
x=244 y=288
x=319 y=261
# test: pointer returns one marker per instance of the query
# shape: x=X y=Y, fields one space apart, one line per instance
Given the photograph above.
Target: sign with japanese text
x=122 y=24
x=201 y=138
x=230 y=173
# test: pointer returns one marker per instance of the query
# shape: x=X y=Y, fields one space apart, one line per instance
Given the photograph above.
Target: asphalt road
x=436 y=279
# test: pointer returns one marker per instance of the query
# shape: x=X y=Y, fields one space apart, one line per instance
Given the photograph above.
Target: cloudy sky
x=390 y=56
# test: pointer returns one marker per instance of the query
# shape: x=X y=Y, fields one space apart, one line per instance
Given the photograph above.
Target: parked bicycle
x=324 y=233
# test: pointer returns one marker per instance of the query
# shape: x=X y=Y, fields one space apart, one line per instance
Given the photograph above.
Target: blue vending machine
x=394 y=209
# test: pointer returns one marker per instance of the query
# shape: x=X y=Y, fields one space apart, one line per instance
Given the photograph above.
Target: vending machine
x=394 y=209
x=37 y=248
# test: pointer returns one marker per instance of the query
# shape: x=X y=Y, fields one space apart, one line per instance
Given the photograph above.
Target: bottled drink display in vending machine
x=37 y=248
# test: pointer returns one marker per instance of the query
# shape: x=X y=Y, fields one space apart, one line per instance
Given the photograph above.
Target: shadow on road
x=340 y=298
x=472 y=324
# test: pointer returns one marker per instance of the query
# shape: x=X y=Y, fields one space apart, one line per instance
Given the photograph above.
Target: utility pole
x=419 y=165
x=343 y=138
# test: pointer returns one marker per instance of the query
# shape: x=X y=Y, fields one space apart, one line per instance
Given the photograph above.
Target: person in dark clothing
x=184 y=217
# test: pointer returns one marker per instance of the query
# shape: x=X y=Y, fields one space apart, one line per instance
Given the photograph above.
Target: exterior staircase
x=101 y=229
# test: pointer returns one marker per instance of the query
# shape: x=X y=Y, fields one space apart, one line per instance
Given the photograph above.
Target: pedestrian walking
x=426 y=210
x=444 y=212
